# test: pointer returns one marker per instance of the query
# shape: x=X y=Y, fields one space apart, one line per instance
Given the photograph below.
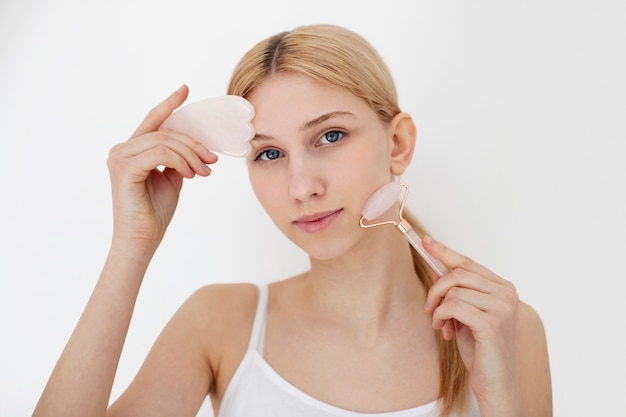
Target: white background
x=520 y=108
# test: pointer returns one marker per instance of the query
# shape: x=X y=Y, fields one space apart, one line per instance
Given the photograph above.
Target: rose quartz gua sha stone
x=223 y=124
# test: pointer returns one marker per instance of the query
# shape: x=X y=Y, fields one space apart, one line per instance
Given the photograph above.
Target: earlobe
x=403 y=136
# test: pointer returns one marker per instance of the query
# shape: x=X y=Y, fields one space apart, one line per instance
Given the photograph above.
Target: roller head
x=381 y=201
x=223 y=124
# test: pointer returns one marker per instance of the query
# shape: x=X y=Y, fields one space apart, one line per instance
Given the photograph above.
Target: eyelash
x=262 y=153
x=341 y=134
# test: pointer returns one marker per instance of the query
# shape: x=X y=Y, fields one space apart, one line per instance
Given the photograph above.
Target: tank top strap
x=257 y=337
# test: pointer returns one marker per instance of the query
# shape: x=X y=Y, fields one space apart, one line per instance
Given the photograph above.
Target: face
x=319 y=154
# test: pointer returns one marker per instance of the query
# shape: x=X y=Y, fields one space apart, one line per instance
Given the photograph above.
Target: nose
x=305 y=179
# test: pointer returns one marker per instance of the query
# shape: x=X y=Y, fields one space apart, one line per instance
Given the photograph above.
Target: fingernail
x=429 y=240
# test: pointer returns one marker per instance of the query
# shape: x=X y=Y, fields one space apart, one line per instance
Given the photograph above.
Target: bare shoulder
x=220 y=299
x=225 y=312
x=533 y=363
x=211 y=305
x=227 y=315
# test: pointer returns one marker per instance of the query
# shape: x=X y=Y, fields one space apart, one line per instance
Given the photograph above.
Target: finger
x=197 y=147
x=481 y=301
x=137 y=168
x=454 y=259
x=448 y=329
x=194 y=153
x=454 y=281
x=449 y=311
x=147 y=161
x=173 y=177
x=162 y=111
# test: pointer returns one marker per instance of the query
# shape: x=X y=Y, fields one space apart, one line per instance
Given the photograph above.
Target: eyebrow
x=321 y=119
x=312 y=123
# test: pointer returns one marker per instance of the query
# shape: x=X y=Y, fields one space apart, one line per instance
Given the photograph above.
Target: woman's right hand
x=145 y=196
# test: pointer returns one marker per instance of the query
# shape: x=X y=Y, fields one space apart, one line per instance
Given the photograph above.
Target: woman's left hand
x=480 y=309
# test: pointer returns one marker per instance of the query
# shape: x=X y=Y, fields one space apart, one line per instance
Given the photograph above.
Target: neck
x=368 y=287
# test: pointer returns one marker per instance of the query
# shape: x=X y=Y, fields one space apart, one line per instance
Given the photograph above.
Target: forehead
x=297 y=98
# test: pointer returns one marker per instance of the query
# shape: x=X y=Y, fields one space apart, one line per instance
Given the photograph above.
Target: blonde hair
x=340 y=57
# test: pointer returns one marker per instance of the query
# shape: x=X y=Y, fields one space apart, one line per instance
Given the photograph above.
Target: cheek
x=370 y=165
x=265 y=188
x=358 y=176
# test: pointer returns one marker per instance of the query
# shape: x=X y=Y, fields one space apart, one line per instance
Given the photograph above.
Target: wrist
x=136 y=242
x=132 y=252
x=502 y=405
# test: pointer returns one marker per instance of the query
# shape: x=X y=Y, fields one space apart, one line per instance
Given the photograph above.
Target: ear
x=403 y=135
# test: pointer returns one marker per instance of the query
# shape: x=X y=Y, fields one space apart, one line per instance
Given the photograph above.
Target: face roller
x=222 y=124
x=380 y=202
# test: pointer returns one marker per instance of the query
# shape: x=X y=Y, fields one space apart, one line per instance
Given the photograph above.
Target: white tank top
x=257 y=390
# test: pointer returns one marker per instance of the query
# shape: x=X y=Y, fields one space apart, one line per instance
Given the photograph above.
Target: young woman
x=367 y=330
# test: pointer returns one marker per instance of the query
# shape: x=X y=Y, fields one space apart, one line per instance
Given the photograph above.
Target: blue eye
x=331 y=137
x=269 y=155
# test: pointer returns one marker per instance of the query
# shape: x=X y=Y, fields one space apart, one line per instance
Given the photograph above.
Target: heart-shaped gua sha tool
x=223 y=124
x=381 y=201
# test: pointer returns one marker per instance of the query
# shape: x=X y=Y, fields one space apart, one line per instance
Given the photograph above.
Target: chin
x=323 y=250
x=328 y=244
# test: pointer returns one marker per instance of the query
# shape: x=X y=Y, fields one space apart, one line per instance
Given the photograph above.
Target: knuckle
x=161 y=150
x=159 y=137
x=165 y=154
x=114 y=156
x=453 y=303
x=507 y=309
x=451 y=276
x=511 y=292
x=466 y=262
x=457 y=276
x=453 y=293
x=115 y=149
x=197 y=147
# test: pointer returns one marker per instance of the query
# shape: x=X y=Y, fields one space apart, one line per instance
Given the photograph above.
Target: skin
x=357 y=330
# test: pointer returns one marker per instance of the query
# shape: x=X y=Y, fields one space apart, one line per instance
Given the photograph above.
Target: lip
x=313 y=223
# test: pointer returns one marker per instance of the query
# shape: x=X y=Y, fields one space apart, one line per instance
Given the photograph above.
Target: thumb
x=162 y=111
